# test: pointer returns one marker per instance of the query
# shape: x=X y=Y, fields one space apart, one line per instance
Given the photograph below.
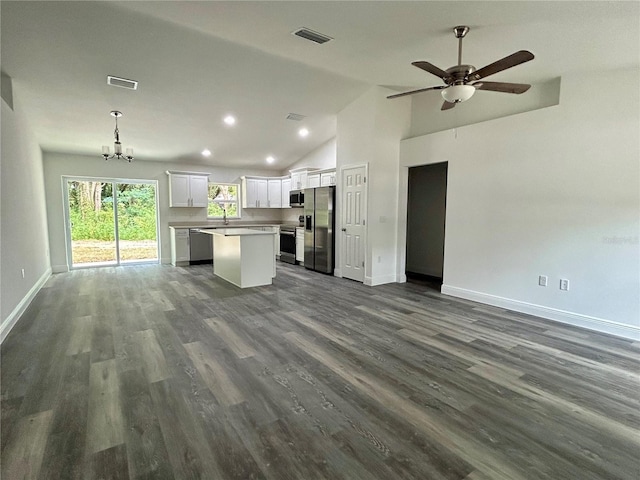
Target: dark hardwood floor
x=158 y=372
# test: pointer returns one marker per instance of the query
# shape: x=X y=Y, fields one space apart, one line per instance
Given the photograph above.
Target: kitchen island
x=243 y=256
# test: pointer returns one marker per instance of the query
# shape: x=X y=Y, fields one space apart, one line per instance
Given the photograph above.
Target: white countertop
x=234 y=232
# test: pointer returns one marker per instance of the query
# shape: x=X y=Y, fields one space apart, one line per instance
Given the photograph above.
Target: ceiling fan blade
x=507 y=62
x=447 y=106
x=416 y=91
x=432 y=69
x=502 y=87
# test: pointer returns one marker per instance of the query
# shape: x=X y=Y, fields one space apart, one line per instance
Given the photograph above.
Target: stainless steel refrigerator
x=319 y=238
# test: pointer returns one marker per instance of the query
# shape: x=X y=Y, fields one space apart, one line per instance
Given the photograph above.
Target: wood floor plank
x=105 y=424
x=232 y=339
x=214 y=374
x=81 y=333
x=23 y=456
x=151 y=356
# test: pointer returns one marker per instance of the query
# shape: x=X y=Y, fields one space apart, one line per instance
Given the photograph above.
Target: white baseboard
x=9 y=322
x=562 y=316
x=380 y=280
x=59 y=268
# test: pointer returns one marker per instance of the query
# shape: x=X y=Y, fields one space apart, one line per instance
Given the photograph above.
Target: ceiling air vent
x=296 y=117
x=122 y=82
x=311 y=35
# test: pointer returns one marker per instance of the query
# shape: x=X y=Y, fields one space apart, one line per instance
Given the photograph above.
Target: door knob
x=344 y=229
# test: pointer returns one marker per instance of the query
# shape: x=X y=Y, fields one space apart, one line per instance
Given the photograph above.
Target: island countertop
x=234 y=232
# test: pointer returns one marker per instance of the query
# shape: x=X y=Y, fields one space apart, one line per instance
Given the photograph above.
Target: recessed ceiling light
x=230 y=120
x=270 y=159
x=303 y=132
x=206 y=152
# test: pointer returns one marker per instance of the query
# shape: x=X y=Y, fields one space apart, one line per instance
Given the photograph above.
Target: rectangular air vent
x=296 y=117
x=311 y=35
x=122 y=82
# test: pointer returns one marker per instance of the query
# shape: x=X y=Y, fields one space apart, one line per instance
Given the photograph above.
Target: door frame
x=338 y=221
x=67 y=218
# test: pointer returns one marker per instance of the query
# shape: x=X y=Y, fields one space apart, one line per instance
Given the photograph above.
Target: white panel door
x=354 y=201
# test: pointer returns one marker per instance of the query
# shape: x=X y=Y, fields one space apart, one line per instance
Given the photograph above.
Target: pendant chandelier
x=117 y=146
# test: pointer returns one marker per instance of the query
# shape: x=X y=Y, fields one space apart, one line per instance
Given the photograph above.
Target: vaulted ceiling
x=199 y=61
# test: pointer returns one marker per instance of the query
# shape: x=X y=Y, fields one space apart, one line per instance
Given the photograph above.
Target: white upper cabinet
x=255 y=192
x=327 y=178
x=286 y=188
x=275 y=192
x=300 y=178
x=188 y=189
x=313 y=180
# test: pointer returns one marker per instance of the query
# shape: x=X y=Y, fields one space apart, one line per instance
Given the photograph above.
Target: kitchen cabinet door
x=300 y=245
x=328 y=178
x=275 y=192
x=179 y=191
x=313 y=180
x=180 y=254
x=199 y=188
x=296 y=181
x=286 y=188
x=262 y=192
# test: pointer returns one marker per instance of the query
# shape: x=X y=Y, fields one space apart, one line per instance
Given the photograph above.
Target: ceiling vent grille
x=311 y=35
x=296 y=117
x=122 y=82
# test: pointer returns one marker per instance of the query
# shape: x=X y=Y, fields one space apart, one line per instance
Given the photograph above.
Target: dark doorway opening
x=426 y=208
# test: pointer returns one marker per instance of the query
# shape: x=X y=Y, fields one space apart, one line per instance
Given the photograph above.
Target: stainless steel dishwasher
x=200 y=247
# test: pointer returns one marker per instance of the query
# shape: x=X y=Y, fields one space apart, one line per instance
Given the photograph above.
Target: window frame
x=236 y=201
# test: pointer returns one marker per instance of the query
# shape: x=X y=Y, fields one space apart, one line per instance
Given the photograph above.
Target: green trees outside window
x=223 y=196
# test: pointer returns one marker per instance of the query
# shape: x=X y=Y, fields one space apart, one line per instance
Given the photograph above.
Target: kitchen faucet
x=224 y=216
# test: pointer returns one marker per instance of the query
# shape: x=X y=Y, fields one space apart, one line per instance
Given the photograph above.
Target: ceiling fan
x=461 y=81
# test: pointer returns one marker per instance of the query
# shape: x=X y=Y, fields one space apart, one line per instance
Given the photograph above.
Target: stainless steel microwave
x=296 y=198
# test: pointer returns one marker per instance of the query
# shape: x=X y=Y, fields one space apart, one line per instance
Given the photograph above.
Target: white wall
x=550 y=192
x=57 y=165
x=369 y=132
x=23 y=220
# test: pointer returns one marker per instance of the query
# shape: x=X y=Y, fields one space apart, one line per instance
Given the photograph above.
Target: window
x=223 y=197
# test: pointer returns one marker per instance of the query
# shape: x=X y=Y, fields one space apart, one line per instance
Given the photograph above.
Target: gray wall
x=426 y=206
x=23 y=221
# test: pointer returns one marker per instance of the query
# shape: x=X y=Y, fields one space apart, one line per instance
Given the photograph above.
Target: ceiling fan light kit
x=461 y=81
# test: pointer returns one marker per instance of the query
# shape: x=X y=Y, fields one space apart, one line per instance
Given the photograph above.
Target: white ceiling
x=197 y=61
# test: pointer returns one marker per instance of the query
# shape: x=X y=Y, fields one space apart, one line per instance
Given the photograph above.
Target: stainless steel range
x=288 y=243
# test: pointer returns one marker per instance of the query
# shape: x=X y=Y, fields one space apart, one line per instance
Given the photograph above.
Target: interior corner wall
x=369 y=131
x=554 y=192
x=23 y=220
x=57 y=165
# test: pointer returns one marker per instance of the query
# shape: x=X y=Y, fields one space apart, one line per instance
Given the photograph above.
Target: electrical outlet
x=23 y=273
x=542 y=280
x=564 y=284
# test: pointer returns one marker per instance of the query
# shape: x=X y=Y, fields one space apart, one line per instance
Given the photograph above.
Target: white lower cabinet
x=300 y=244
x=180 y=254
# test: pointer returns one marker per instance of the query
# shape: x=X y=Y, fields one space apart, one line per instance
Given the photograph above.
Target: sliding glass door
x=111 y=222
